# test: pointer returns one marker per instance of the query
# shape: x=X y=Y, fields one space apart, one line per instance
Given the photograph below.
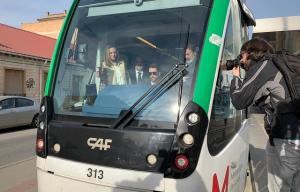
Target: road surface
x=17 y=162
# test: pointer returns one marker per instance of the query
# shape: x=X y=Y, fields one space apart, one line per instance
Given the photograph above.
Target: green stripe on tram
x=209 y=56
x=58 y=46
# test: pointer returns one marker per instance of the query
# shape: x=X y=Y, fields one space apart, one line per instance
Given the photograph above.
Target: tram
x=99 y=130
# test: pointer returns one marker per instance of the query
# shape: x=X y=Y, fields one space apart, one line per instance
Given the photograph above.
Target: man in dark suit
x=138 y=76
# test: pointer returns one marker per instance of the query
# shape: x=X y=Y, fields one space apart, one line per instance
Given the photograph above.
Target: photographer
x=264 y=86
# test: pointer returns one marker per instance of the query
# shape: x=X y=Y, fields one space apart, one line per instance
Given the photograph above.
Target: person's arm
x=243 y=93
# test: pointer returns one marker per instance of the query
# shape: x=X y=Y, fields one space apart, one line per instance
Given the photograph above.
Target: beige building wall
x=34 y=69
x=48 y=26
x=1 y=76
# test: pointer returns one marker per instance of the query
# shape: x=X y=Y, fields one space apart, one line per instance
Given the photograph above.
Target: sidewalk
x=258 y=141
x=19 y=177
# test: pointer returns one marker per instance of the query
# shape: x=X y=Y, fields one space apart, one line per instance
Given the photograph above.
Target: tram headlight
x=43 y=108
x=56 y=148
x=188 y=139
x=151 y=159
x=193 y=118
x=42 y=125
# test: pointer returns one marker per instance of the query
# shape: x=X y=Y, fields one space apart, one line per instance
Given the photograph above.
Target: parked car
x=18 y=111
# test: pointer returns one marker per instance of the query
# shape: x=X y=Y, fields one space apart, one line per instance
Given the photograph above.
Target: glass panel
x=283 y=40
x=110 y=61
x=225 y=119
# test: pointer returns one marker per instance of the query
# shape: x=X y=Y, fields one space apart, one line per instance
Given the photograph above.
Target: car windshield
x=115 y=51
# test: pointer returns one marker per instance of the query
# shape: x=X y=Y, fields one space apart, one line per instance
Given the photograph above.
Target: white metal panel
x=52 y=183
x=277 y=24
x=129 y=179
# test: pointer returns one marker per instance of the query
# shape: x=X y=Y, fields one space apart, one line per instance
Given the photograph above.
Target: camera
x=230 y=64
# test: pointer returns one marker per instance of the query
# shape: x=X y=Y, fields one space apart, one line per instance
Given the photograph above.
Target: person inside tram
x=190 y=59
x=190 y=55
x=153 y=74
x=137 y=75
x=113 y=67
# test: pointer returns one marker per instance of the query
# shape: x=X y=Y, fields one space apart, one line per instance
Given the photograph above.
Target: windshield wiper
x=152 y=94
x=155 y=91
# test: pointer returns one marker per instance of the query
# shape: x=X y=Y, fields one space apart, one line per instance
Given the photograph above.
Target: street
x=17 y=162
x=258 y=141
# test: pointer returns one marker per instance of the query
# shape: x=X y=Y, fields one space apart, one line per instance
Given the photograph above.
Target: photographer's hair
x=257 y=48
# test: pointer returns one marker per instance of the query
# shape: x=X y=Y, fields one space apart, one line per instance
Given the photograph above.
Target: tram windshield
x=115 y=51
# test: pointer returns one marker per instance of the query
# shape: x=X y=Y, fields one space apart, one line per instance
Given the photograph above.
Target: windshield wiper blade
x=155 y=90
x=153 y=93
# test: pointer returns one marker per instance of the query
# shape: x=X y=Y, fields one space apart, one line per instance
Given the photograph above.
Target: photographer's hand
x=236 y=71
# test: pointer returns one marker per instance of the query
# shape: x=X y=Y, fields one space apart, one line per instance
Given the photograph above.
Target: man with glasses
x=153 y=74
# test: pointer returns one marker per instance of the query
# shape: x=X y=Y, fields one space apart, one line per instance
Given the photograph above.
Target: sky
x=274 y=8
x=14 y=12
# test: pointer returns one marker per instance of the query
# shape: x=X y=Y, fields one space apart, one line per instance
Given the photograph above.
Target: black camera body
x=230 y=64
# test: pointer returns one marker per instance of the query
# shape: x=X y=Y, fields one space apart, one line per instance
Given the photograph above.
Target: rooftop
x=20 y=42
x=53 y=16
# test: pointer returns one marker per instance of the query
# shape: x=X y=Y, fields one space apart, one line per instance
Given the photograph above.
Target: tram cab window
x=225 y=119
x=86 y=86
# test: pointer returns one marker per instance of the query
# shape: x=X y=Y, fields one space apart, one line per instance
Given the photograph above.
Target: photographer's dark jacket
x=264 y=86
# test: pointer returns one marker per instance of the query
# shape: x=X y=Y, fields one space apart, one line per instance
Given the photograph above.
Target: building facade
x=282 y=32
x=24 y=62
x=48 y=26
